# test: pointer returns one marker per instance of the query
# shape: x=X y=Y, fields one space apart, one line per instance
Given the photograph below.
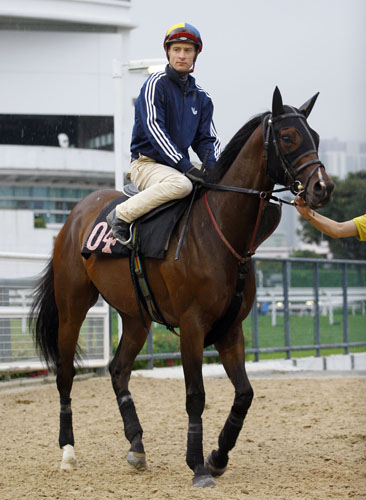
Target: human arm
x=206 y=142
x=324 y=224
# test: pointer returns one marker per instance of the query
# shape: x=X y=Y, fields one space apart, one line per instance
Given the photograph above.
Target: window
x=89 y=132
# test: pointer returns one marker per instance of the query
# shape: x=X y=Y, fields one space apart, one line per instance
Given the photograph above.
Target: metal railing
x=289 y=301
x=332 y=316
x=17 y=352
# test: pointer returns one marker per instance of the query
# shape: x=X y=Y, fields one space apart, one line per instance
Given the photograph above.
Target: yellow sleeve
x=361 y=227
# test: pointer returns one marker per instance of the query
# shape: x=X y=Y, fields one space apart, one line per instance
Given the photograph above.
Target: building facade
x=57 y=106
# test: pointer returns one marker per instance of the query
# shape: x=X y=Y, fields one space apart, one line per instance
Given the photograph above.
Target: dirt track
x=302 y=439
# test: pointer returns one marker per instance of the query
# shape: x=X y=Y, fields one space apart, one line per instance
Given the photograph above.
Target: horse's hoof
x=69 y=461
x=203 y=481
x=137 y=460
x=211 y=467
x=202 y=478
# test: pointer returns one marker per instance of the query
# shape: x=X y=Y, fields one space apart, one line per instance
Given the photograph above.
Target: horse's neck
x=236 y=213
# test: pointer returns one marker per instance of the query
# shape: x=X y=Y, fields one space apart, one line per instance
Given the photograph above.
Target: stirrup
x=129 y=241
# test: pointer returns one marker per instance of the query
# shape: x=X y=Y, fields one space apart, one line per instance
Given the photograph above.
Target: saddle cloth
x=154 y=230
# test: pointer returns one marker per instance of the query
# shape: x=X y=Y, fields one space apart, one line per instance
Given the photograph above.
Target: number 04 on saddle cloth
x=154 y=233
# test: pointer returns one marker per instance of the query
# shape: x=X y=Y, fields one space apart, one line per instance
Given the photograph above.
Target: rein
x=251 y=250
x=266 y=195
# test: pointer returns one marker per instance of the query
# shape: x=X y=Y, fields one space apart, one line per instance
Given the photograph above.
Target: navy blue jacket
x=171 y=116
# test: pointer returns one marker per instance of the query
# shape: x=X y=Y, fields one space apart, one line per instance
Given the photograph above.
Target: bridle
x=290 y=169
x=290 y=172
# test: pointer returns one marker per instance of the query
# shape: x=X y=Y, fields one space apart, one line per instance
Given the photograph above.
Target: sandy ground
x=304 y=438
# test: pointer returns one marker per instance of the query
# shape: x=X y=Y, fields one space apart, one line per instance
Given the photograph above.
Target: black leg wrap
x=129 y=416
x=219 y=458
x=194 y=443
x=230 y=432
x=66 y=435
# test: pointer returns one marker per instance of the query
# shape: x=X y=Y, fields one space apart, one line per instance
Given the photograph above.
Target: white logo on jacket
x=194 y=110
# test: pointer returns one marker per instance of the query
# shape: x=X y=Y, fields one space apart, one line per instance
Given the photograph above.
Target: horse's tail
x=43 y=318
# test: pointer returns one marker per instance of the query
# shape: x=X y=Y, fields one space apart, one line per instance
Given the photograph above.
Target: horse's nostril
x=319 y=188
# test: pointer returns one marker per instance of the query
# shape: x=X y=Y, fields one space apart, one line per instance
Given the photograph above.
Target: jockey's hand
x=195 y=175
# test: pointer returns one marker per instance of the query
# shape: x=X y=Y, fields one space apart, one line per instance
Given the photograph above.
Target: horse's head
x=291 y=151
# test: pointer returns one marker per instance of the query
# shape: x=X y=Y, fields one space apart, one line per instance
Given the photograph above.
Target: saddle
x=153 y=231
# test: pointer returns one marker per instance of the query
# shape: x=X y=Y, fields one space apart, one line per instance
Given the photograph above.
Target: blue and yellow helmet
x=183 y=32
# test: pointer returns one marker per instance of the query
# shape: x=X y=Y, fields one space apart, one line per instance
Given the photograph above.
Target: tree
x=347 y=202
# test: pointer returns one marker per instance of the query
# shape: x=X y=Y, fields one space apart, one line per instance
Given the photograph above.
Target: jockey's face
x=181 y=56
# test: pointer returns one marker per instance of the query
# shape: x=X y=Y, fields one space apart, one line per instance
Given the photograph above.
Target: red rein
x=251 y=250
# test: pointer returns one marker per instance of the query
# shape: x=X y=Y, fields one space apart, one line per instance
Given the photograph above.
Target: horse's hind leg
x=73 y=304
x=132 y=341
x=231 y=350
x=64 y=381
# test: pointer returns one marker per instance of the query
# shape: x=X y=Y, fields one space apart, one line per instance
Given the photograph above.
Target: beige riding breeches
x=157 y=184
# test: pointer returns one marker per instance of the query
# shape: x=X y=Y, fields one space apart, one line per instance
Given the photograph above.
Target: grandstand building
x=57 y=107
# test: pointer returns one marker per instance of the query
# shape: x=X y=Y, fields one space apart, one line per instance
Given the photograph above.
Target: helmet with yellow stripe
x=183 y=32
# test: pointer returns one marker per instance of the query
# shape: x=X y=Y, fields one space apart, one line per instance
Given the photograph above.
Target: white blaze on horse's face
x=321 y=179
x=181 y=56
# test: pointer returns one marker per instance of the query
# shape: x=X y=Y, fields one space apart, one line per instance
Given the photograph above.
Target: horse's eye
x=286 y=138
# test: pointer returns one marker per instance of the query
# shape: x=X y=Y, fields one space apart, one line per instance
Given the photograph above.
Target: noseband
x=290 y=169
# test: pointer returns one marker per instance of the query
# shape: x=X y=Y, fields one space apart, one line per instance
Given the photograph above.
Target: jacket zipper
x=182 y=120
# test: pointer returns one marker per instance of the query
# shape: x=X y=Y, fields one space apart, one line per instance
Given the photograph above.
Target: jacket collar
x=173 y=75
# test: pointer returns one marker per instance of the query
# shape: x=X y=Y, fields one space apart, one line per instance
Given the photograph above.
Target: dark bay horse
x=192 y=292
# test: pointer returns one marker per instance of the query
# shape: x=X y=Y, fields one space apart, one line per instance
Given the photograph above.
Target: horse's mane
x=232 y=149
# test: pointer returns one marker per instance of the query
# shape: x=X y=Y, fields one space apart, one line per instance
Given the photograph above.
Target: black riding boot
x=120 y=228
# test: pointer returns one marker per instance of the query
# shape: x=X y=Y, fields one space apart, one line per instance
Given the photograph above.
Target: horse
x=193 y=292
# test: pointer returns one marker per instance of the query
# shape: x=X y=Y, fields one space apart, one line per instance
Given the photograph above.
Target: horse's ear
x=277 y=105
x=308 y=105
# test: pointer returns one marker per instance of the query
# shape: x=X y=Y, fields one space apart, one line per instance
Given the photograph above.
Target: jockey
x=172 y=113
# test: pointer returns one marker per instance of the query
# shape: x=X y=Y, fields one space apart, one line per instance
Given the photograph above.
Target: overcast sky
x=250 y=46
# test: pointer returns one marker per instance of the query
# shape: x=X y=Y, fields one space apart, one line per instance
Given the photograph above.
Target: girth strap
x=225 y=322
x=141 y=286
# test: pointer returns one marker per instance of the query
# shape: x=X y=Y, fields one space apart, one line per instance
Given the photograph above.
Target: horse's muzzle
x=319 y=193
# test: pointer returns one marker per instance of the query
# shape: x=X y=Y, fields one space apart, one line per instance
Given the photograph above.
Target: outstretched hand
x=302 y=207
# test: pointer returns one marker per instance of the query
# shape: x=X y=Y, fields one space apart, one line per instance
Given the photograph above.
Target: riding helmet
x=183 y=32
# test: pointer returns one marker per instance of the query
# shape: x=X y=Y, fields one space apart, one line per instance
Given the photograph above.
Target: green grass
x=302 y=332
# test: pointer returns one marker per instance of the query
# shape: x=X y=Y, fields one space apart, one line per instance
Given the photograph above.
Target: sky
x=250 y=46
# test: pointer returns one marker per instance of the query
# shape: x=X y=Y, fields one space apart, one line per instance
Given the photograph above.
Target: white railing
x=17 y=352
x=301 y=300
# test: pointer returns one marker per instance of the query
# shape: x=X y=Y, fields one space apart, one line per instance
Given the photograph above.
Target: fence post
x=286 y=309
x=5 y=328
x=345 y=308
x=255 y=321
x=150 y=349
x=316 y=307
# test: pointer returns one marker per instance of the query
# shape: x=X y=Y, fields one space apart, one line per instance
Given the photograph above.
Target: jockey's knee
x=181 y=186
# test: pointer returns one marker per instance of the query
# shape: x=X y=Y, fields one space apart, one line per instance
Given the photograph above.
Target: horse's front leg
x=231 y=350
x=192 y=351
x=133 y=339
